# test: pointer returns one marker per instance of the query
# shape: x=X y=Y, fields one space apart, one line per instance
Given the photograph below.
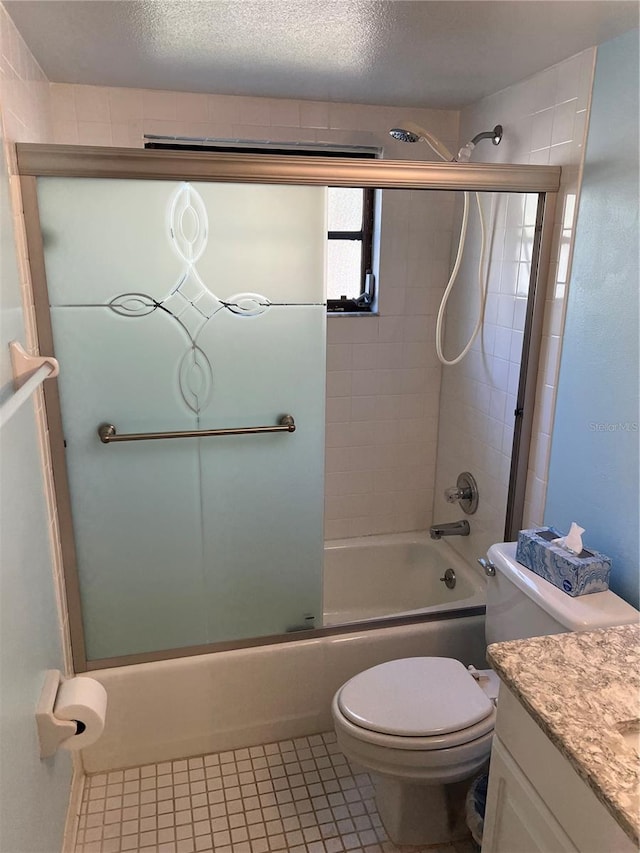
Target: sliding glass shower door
x=186 y=307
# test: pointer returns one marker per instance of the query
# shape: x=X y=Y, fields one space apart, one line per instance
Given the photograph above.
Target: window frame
x=364 y=235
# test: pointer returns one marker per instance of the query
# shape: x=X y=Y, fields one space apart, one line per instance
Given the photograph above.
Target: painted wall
x=544 y=120
x=594 y=468
x=33 y=794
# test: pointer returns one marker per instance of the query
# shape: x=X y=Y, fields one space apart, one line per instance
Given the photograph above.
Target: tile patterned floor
x=297 y=795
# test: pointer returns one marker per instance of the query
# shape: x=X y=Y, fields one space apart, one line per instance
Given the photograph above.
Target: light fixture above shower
x=411 y=132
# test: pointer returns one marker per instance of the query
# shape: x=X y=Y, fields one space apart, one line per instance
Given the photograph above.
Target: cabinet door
x=517 y=820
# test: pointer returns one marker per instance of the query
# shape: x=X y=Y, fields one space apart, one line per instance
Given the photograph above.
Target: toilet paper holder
x=51 y=731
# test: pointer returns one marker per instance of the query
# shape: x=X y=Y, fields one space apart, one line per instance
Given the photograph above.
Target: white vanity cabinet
x=536 y=802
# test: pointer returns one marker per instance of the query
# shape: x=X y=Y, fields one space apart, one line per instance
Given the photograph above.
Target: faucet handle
x=465 y=492
x=453 y=494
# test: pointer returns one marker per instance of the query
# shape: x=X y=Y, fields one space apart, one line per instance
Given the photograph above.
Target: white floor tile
x=298 y=796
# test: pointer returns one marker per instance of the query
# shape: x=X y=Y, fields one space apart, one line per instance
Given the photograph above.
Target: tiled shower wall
x=383 y=381
x=545 y=121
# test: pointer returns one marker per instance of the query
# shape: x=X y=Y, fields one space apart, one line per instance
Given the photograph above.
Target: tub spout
x=452 y=528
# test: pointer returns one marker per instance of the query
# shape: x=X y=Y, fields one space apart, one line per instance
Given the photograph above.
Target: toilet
x=423 y=726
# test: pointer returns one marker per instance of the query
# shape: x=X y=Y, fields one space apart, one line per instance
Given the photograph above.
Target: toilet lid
x=415 y=697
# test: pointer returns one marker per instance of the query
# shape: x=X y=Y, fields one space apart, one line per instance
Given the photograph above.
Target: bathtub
x=374 y=577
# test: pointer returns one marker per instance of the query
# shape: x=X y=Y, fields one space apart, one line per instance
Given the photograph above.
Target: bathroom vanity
x=565 y=769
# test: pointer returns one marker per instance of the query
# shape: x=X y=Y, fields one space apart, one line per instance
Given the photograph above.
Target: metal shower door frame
x=70 y=161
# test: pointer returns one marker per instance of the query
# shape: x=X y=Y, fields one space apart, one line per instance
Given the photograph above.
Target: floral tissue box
x=579 y=574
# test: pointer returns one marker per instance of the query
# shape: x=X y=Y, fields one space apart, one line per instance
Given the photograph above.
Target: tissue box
x=582 y=574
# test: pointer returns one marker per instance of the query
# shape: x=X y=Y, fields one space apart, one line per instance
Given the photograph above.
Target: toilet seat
x=416 y=704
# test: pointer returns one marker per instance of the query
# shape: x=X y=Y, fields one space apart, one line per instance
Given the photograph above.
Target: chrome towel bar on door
x=108 y=433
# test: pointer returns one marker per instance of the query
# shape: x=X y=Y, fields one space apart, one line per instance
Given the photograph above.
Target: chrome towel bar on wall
x=108 y=434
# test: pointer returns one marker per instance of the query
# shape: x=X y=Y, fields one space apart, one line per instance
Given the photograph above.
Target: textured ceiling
x=418 y=53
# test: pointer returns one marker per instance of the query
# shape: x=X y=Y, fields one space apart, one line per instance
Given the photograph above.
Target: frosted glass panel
x=261 y=502
x=171 y=311
x=136 y=511
x=159 y=237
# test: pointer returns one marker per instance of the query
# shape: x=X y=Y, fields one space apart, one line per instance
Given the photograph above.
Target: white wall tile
x=192 y=108
x=92 y=103
x=158 y=105
x=285 y=113
x=65 y=132
x=564 y=117
x=94 y=133
x=541 y=129
x=254 y=111
x=544 y=121
x=63 y=103
x=314 y=114
x=223 y=109
x=125 y=105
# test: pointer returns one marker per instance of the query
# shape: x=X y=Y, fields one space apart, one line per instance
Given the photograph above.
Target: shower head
x=403 y=135
x=410 y=132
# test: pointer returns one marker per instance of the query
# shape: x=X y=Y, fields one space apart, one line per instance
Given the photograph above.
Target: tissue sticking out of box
x=572 y=542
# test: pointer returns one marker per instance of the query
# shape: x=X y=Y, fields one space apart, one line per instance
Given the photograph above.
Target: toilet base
x=421 y=814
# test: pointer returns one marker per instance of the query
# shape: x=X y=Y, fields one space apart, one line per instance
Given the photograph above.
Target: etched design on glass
x=188 y=223
x=247 y=304
x=133 y=304
x=190 y=302
x=195 y=378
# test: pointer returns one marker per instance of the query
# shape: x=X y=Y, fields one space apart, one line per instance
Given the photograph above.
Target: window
x=350 y=281
x=349 y=276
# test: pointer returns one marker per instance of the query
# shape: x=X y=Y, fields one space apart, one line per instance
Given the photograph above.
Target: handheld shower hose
x=482 y=285
x=410 y=132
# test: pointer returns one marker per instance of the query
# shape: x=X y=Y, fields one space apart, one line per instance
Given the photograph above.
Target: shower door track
x=100 y=162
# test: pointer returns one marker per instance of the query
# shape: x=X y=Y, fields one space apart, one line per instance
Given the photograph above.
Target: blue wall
x=33 y=794
x=594 y=470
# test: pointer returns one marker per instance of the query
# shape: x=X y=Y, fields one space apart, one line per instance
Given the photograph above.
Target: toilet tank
x=521 y=604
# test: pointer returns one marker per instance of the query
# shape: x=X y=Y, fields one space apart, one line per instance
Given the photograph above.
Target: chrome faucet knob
x=453 y=494
x=465 y=492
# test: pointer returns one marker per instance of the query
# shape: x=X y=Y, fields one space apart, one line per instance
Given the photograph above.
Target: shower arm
x=494 y=135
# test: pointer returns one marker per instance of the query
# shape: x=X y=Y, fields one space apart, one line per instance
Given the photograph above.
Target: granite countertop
x=580 y=688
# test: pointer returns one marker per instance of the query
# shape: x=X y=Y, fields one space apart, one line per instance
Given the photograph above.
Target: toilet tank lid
x=582 y=613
